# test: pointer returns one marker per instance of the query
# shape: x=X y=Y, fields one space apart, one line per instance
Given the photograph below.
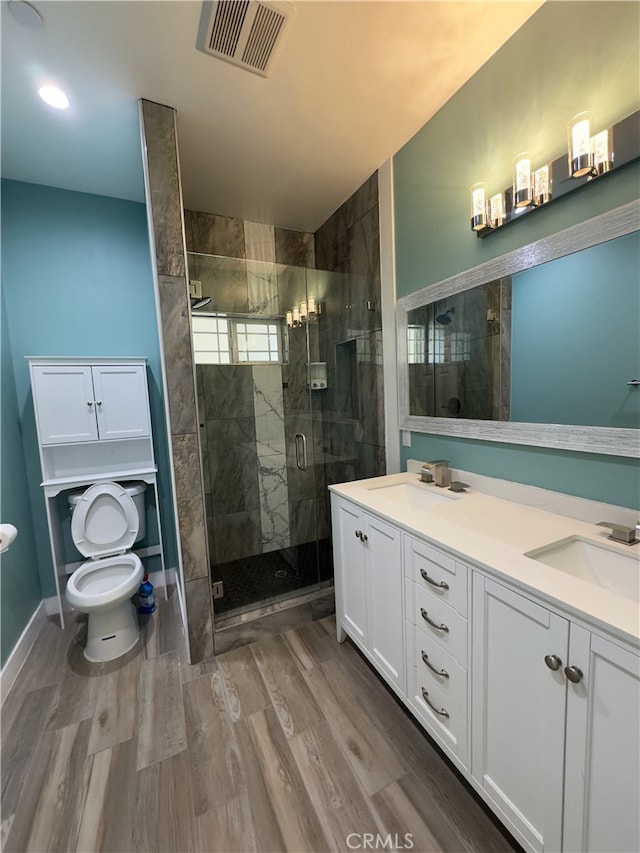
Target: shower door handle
x=301 y=459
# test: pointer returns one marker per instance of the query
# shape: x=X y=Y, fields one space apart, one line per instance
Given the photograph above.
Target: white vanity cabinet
x=602 y=755
x=368 y=561
x=437 y=644
x=555 y=743
x=534 y=696
x=82 y=402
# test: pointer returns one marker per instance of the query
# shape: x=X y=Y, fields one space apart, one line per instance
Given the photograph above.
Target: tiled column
x=164 y=206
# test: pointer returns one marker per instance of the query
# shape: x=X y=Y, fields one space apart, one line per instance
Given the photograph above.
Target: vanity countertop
x=493 y=534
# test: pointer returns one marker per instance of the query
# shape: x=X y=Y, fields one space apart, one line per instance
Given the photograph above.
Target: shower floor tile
x=262 y=577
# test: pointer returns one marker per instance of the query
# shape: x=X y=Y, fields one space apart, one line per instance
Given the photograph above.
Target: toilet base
x=111 y=633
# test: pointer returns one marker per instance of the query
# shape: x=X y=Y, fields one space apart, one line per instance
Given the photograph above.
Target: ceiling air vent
x=247 y=33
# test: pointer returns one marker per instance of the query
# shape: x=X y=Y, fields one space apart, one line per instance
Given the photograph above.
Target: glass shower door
x=259 y=437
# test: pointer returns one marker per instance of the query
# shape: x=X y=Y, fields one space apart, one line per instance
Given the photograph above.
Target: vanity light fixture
x=54 y=96
x=307 y=311
x=588 y=157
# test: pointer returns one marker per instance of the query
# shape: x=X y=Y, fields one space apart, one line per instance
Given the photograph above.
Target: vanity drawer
x=440 y=621
x=438 y=715
x=437 y=669
x=438 y=572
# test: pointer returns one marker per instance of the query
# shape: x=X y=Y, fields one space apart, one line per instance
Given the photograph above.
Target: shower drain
x=281 y=573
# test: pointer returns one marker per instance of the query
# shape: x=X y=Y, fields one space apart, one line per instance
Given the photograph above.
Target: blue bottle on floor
x=146 y=601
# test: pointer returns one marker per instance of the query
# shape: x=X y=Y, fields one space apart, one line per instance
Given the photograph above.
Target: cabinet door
x=122 y=403
x=602 y=788
x=519 y=711
x=349 y=555
x=64 y=404
x=383 y=547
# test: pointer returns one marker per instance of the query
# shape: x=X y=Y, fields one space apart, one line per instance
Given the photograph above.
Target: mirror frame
x=587 y=439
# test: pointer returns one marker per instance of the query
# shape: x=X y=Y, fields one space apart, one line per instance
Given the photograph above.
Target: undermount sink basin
x=412 y=496
x=595 y=563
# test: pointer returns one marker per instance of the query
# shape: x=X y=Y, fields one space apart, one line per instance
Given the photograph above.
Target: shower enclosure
x=260 y=383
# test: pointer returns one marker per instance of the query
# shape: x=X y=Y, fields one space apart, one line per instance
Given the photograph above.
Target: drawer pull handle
x=441 y=672
x=425 y=616
x=439 y=584
x=441 y=712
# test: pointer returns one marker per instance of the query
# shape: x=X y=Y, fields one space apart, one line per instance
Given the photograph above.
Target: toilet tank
x=134 y=488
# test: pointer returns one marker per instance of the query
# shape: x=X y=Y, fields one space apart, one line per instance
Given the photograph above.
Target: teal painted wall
x=77 y=281
x=569 y=57
x=575 y=340
x=20 y=591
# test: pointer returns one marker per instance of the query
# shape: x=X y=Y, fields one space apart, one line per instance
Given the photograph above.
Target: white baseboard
x=22 y=648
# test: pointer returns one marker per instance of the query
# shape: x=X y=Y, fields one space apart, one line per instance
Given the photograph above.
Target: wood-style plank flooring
x=289 y=744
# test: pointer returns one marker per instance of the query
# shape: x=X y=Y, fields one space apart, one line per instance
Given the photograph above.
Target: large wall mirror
x=540 y=346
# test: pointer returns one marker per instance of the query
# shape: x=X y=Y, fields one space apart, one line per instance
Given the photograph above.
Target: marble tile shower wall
x=256 y=498
x=350 y=338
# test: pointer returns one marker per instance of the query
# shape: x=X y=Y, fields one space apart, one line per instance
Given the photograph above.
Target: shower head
x=199 y=302
x=445 y=318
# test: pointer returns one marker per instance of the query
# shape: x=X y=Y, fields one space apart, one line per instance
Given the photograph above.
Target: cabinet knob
x=363 y=537
x=98 y=402
x=89 y=403
x=553 y=662
x=358 y=535
x=574 y=674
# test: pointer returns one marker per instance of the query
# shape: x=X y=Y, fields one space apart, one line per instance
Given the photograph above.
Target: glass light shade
x=579 y=136
x=601 y=152
x=296 y=316
x=311 y=305
x=541 y=185
x=497 y=210
x=478 y=206
x=303 y=311
x=522 y=189
x=289 y=319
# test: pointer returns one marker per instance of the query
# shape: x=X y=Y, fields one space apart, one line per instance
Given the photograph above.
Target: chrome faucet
x=437 y=472
x=433 y=471
x=620 y=533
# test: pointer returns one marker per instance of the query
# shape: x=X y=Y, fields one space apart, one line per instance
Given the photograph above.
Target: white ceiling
x=352 y=83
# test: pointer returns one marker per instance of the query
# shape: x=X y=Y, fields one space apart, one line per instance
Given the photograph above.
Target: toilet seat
x=102 y=584
x=105 y=521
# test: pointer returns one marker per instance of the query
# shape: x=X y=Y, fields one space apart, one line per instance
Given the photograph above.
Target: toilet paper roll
x=7 y=534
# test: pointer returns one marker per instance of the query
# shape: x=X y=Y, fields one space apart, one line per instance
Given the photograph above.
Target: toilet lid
x=105 y=521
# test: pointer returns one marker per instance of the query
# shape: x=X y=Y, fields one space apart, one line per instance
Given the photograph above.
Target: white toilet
x=104 y=525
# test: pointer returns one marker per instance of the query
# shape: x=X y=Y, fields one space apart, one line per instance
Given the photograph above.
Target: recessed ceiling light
x=54 y=97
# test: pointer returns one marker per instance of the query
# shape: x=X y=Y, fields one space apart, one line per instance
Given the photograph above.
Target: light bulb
x=478 y=206
x=579 y=134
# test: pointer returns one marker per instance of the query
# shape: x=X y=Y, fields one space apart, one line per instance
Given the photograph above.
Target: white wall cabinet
x=368 y=558
x=94 y=425
x=551 y=705
x=555 y=715
x=79 y=402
